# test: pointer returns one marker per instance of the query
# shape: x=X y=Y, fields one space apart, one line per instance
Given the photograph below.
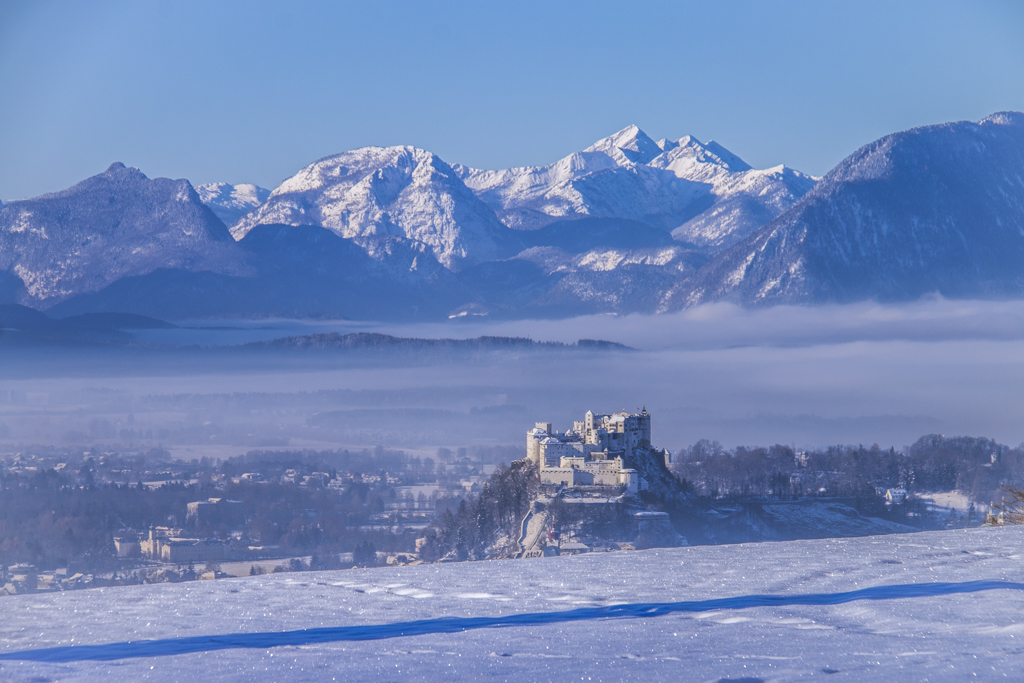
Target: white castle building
x=593 y=452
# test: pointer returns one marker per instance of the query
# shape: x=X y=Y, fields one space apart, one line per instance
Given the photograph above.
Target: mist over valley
x=808 y=377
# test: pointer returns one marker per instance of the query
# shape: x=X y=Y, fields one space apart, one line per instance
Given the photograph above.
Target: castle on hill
x=597 y=450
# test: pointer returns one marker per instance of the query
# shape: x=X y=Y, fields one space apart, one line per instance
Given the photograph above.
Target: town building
x=184 y=550
x=895 y=496
x=167 y=545
x=214 y=512
x=128 y=546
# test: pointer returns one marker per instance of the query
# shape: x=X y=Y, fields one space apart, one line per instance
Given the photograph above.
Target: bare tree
x=1010 y=510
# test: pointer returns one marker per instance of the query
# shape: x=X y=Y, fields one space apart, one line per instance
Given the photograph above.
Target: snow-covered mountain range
x=628 y=224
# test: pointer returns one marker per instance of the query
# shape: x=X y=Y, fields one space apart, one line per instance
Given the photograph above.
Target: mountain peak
x=115 y=224
x=331 y=169
x=665 y=144
x=931 y=209
x=118 y=170
x=684 y=152
x=631 y=143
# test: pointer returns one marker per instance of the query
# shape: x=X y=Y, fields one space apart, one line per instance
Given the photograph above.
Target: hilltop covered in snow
x=401 y=191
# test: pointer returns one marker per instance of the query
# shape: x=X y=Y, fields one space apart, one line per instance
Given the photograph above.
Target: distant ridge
x=374 y=341
x=231 y=202
x=21 y=325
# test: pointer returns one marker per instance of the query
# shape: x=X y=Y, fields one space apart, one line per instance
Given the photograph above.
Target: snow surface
x=954 y=503
x=936 y=606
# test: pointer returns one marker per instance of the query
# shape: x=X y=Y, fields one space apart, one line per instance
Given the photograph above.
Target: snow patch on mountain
x=742 y=203
x=609 y=179
x=231 y=202
x=740 y=199
x=689 y=158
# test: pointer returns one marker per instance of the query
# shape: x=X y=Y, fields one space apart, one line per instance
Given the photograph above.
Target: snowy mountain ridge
x=624 y=192
x=671 y=185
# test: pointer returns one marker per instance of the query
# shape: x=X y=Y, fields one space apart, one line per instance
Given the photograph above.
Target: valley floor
x=930 y=606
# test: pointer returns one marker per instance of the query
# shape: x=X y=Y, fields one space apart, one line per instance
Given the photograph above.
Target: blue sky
x=251 y=91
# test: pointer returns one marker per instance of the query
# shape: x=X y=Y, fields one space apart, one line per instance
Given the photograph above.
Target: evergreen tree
x=365 y=555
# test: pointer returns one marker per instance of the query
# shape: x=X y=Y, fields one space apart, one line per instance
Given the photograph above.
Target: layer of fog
x=705 y=327
x=800 y=376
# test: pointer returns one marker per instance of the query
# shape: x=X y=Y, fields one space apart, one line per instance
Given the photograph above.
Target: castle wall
x=564 y=476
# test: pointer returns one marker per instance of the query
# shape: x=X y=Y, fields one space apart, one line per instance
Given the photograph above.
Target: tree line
x=977 y=467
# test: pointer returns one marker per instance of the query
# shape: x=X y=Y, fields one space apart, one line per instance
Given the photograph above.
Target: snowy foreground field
x=936 y=606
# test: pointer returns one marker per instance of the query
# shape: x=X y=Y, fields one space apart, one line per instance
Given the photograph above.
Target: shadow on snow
x=181 y=646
